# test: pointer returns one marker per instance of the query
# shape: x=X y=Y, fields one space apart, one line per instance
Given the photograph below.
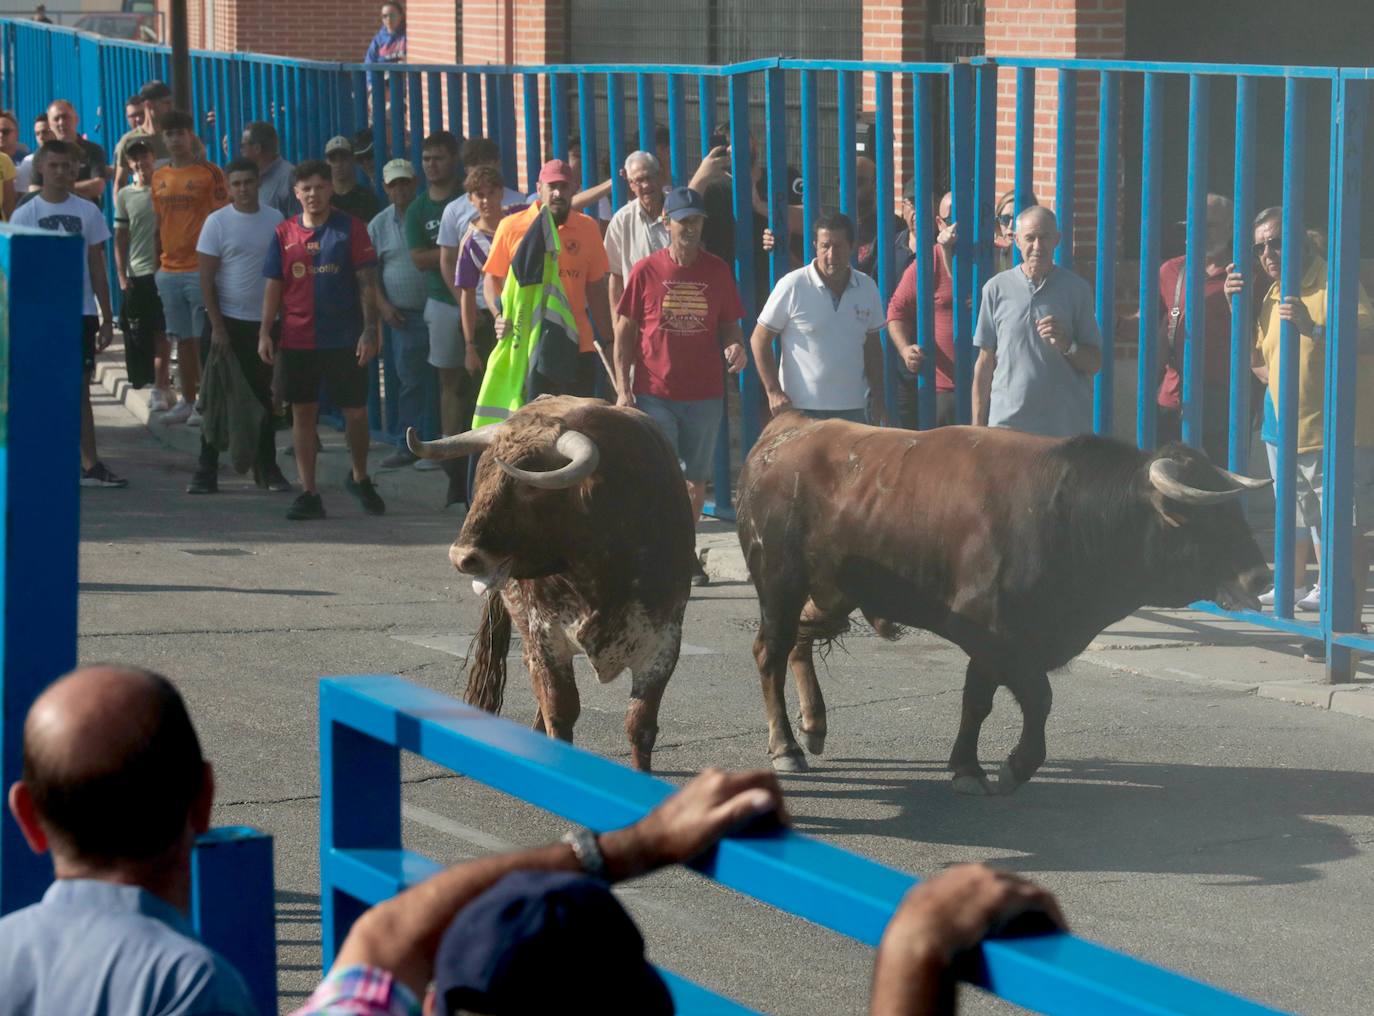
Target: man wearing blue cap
x=678 y=321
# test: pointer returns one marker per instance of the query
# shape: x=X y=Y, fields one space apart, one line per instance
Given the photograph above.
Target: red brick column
x=895 y=31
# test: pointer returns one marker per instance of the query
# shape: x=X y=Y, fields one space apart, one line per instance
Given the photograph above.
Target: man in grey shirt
x=275 y=186
x=1037 y=338
x=119 y=806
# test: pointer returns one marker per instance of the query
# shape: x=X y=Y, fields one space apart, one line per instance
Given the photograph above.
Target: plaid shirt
x=360 y=991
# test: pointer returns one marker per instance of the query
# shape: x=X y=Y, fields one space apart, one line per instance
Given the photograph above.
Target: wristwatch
x=1073 y=348
x=587 y=851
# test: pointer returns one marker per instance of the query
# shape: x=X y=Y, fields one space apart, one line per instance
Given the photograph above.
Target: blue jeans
x=691 y=428
x=413 y=371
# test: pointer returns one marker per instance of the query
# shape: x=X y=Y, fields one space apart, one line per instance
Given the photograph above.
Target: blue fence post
x=810 y=167
x=1023 y=157
x=1108 y=121
x=415 y=113
x=775 y=109
x=558 y=116
x=923 y=117
x=453 y=110
x=534 y=157
x=1065 y=165
x=1195 y=263
x=615 y=135
x=1151 y=180
x=677 y=125
x=472 y=87
x=984 y=210
x=1290 y=284
x=644 y=105
x=706 y=109
x=882 y=88
x=1342 y=599
x=353 y=767
x=39 y=439
x=961 y=104
x=1242 y=317
x=586 y=129
x=846 y=111
x=434 y=101
x=492 y=91
x=233 y=905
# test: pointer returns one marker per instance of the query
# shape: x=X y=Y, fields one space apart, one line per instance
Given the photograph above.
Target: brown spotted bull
x=1019 y=549
x=580 y=531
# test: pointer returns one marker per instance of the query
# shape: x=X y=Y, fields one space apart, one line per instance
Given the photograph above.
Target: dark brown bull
x=579 y=529
x=1018 y=549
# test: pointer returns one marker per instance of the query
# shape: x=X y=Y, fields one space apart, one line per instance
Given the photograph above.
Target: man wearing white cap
x=401 y=304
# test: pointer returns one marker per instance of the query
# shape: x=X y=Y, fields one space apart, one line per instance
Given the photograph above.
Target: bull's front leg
x=980 y=684
x=549 y=660
x=1034 y=696
x=646 y=693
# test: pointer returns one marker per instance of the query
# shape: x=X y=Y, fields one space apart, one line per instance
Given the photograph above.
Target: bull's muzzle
x=488 y=573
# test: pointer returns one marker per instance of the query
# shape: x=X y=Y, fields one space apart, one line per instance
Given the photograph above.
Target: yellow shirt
x=1312 y=360
x=7 y=174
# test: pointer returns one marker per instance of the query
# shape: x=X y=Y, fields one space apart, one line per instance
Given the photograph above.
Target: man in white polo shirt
x=827 y=316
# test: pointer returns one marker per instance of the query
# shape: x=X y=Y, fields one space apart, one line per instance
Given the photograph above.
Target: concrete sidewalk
x=1168 y=645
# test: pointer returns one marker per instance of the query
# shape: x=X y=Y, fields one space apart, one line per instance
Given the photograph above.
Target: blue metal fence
x=366 y=722
x=534 y=111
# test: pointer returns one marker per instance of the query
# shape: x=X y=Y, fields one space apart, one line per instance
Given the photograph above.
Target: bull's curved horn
x=1243 y=482
x=454 y=446
x=1164 y=478
x=582 y=455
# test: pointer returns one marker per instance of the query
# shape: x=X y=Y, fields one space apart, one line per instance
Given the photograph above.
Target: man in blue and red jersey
x=321 y=275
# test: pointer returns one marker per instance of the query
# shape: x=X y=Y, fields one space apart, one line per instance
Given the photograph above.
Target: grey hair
x=646 y=158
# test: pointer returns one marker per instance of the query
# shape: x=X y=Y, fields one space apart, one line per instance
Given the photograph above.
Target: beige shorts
x=1309 y=487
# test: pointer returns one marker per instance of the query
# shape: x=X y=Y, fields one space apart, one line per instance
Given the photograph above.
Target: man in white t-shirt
x=55 y=207
x=827 y=316
x=231 y=251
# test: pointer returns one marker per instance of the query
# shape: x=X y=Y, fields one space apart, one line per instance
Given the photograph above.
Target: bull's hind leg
x=812 y=717
x=980 y=684
x=1033 y=695
x=646 y=692
x=780 y=606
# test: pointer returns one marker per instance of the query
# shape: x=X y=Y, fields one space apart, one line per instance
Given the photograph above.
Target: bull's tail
x=487 y=664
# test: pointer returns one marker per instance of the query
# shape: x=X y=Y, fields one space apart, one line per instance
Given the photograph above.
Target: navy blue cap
x=682 y=202
x=542 y=942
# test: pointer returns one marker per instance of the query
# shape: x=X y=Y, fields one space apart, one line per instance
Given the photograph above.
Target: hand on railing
x=711 y=806
x=943 y=917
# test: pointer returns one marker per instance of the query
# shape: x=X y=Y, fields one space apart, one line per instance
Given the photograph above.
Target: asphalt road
x=1218 y=833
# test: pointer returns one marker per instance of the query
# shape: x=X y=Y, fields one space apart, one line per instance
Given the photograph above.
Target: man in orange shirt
x=185 y=192
x=582 y=266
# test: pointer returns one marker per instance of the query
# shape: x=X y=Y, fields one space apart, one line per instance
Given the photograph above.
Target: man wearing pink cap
x=582 y=267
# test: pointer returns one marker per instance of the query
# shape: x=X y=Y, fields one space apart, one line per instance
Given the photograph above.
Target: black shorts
x=345 y=382
x=90 y=328
x=142 y=307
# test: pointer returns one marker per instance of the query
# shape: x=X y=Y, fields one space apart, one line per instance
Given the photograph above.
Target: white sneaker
x=179 y=413
x=428 y=465
x=194 y=419
x=157 y=401
x=1311 y=602
x=1267 y=599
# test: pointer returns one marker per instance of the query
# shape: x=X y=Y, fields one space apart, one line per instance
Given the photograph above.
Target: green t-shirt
x=134 y=212
x=422 y=233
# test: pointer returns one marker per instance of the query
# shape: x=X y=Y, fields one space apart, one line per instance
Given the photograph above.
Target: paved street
x=1191 y=821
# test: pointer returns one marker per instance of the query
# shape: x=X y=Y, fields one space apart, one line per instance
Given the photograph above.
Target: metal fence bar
x=1023 y=165
x=677 y=127
x=961 y=105
x=847 y=140
x=1108 y=139
x=509 y=146
x=1151 y=185
x=1294 y=238
x=882 y=91
x=1195 y=262
x=1242 y=316
x=453 y=119
x=586 y=127
x=984 y=198
x=1065 y=165
x=1342 y=562
x=434 y=101
x=923 y=113
x=810 y=167
x=775 y=110
x=644 y=104
x=558 y=115
x=492 y=94
x=473 y=88
x=533 y=155
x=615 y=135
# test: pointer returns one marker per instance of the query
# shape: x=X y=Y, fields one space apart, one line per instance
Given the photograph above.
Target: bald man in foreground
x=116 y=788
x=1037 y=338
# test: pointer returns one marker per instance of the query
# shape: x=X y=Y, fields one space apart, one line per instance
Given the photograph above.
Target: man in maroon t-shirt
x=902 y=328
x=1216 y=352
x=678 y=316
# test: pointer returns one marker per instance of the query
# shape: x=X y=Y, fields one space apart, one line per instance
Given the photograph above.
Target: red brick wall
x=895 y=30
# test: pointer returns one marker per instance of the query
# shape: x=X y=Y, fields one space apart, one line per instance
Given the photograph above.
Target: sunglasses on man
x=1275 y=245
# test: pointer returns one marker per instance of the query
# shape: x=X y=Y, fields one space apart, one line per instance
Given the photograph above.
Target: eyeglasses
x=1275 y=245
x=390 y=16
x=4 y=131
x=1005 y=221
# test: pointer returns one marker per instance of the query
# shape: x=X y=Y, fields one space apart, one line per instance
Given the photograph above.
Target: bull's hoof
x=1007 y=780
x=972 y=786
x=790 y=762
x=815 y=743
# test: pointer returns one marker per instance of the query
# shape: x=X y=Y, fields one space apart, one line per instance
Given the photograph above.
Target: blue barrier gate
x=310 y=101
x=366 y=722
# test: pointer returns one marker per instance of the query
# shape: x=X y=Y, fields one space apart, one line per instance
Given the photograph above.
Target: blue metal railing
x=534 y=111
x=366 y=722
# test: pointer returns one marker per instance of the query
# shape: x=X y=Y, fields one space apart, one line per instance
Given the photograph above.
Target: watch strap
x=587 y=851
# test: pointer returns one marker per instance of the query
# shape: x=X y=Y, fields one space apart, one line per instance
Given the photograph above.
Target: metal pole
x=923 y=116
x=1242 y=320
x=1108 y=121
x=1151 y=177
x=1065 y=160
x=1290 y=284
x=1195 y=339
